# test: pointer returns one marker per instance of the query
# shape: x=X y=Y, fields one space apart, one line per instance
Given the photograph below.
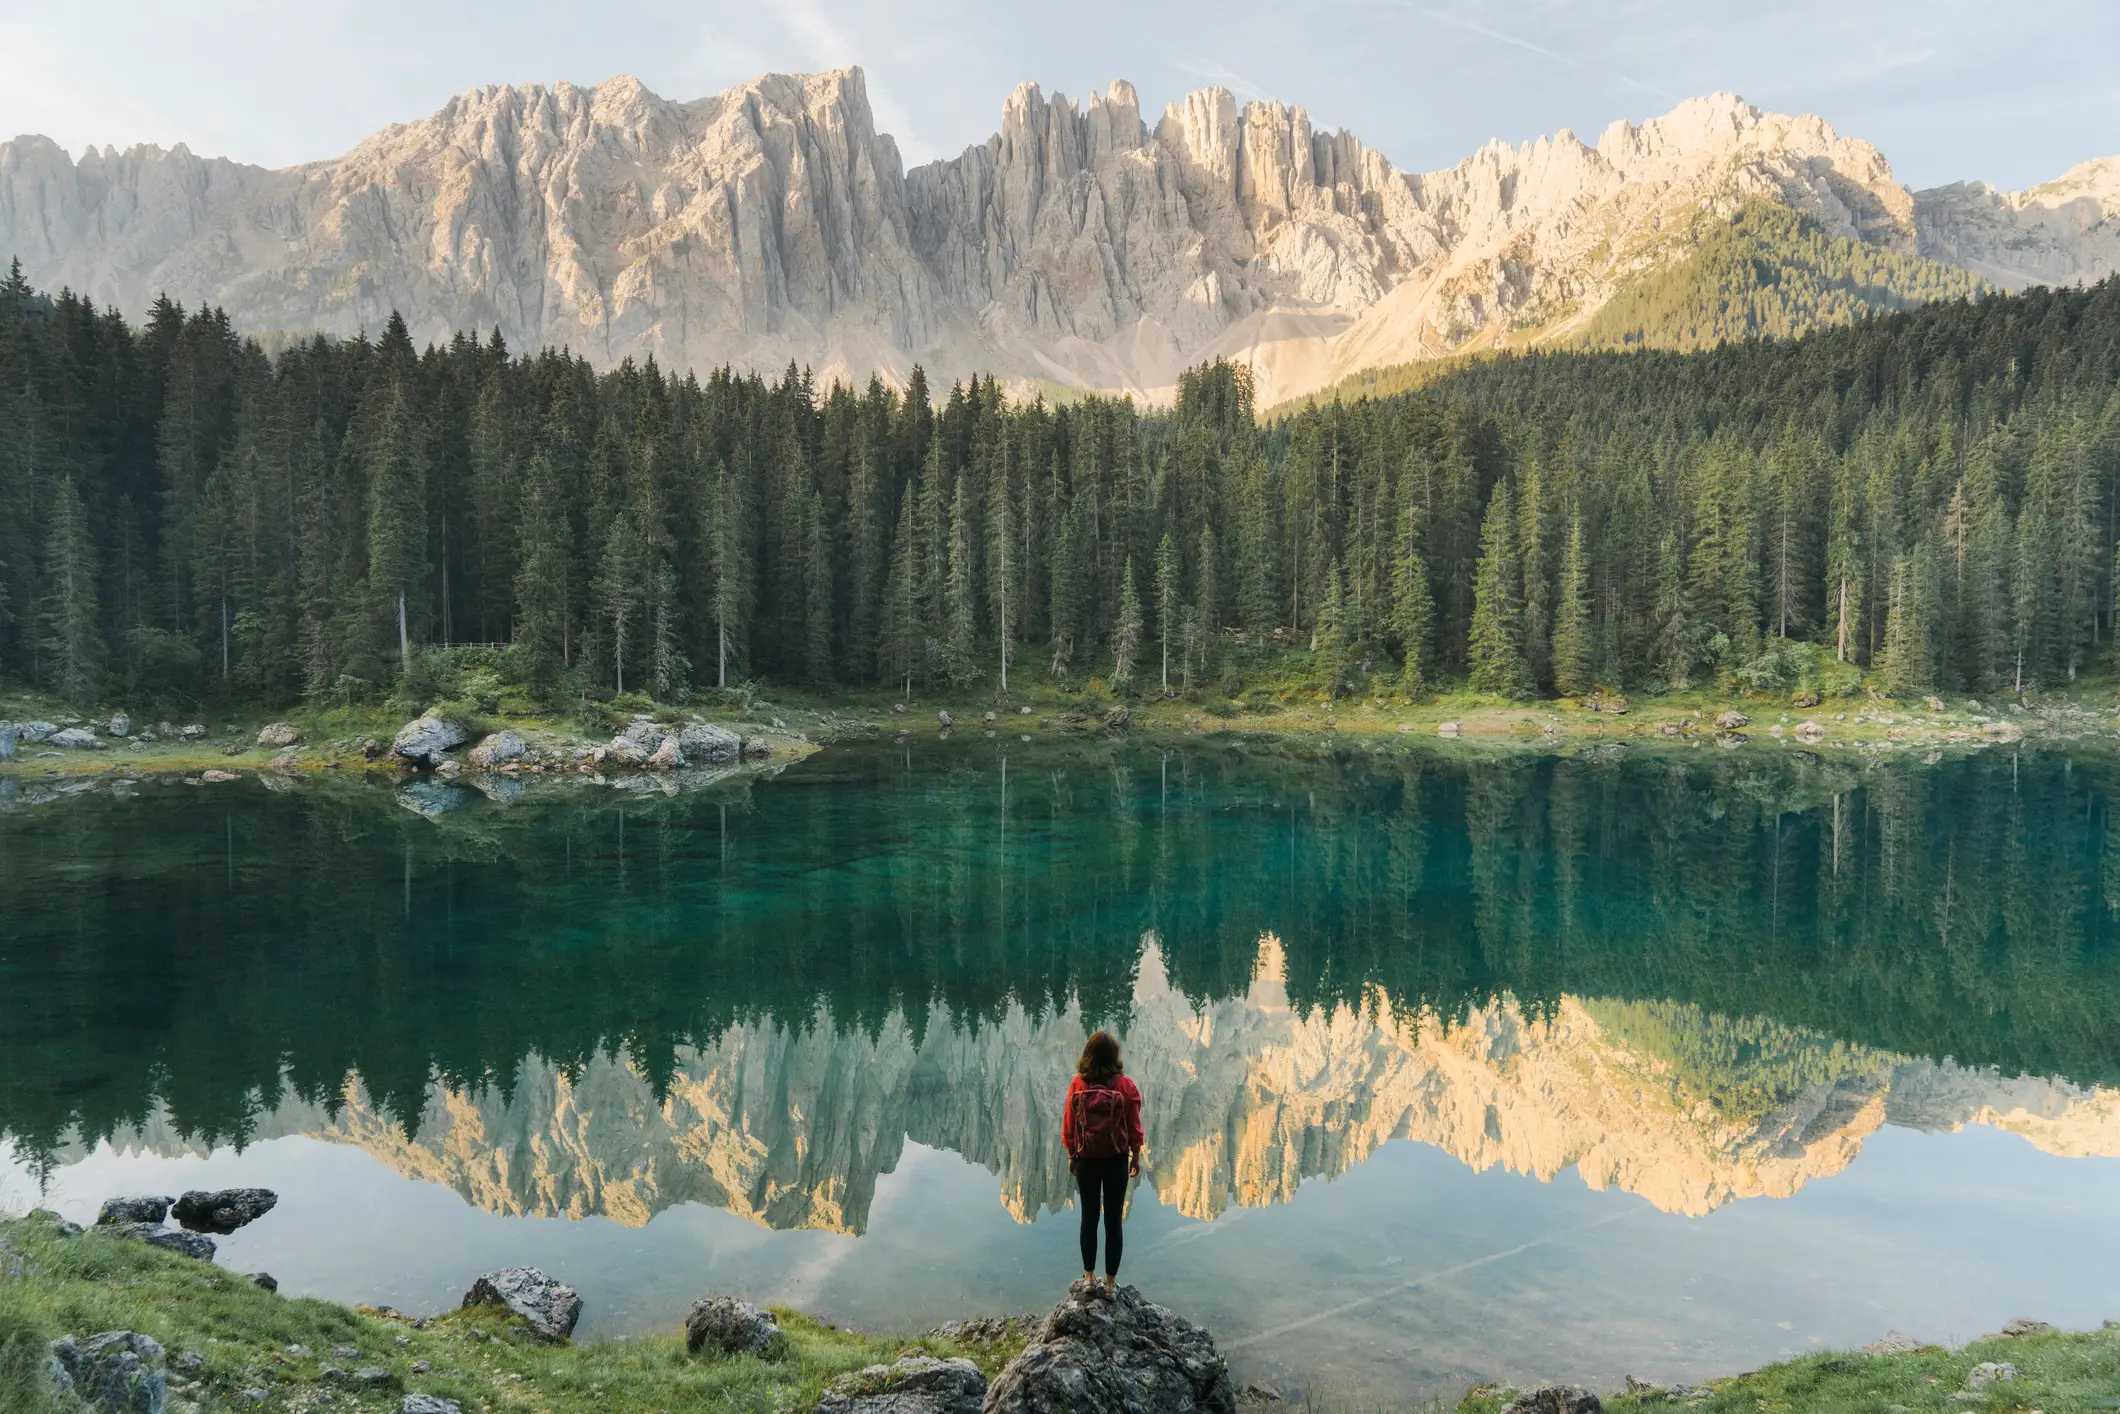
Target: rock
x=75 y=739
x=722 y=1325
x=132 y=1210
x=277 y=734
x=423 y=741
x=1447 y=730
x=917 y=1384
x=223 y=1210
x=192 y=731
x=117 y=1372
x=371 y=748
x=704 y=744
x=757 y=748
x=1731 y=720
x=7 y=741
x=2019 y=1326
x=1117 y=1354
x=449 y=768
x=1805 y=701
x=428 y=1404
x=373 y=1376
x=985 y=1330
x=624 y=752
x=644 y=733
x=1117 y=719
x=990 y=716
x=119 y=725
x=550 y=1308
x=2002 y=731
x=214 y=776
x=1893 y=1343
x=190 y=1244
x=497 y=750
x=1810 y=731
x=1935 y=704
x=1989 y=1372
x=34 y=732
x=265 y=1281
x=1556 y=1399
x=667 y=757
x=946 y=720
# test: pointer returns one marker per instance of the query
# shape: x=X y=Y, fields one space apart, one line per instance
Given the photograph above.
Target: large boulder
x=33 y=732
x=429 y=1404
x=223 y=1210
x=1556 y=1399
x=1116 y=1353
x=497 y=750
x=917 y=1384
x=1731 y=720
x=548 y=1307
x=186 y=1244
x=722 y=1325
x=75 y=739
x=644 y=733
x=757 y=748
x=667 y=757
x=705 y=744
x=133 y=1210
x=422 y=742
x=119 y=725
x=275 y=735
x=117 y=1372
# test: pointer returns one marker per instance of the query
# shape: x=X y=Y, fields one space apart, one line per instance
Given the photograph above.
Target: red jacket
x=1128 y=1091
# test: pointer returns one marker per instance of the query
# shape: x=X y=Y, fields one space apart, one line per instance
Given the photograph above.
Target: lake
x=1663 y=1063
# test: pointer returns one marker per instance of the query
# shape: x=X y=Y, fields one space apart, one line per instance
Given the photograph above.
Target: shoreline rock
x=1117 y=1353
x=223 y=1210
x=548 y=1307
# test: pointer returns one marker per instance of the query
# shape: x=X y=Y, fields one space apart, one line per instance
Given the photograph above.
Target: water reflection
x=792 y=1127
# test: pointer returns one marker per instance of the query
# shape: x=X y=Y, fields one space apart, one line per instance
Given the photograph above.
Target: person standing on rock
x=1102 y=1130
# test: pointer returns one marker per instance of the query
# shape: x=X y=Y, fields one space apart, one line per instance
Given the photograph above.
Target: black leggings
x=1102 y=1183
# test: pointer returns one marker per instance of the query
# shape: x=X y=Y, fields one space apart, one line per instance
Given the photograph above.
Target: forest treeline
x=1934 y=494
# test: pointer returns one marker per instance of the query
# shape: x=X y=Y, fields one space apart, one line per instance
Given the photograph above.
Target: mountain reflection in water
x=791 y=1128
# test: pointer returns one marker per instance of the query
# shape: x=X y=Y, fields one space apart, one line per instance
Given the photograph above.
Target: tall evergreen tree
x=73 y=634
x=1126 y=632
x=1496 y=645
x=1571 y=617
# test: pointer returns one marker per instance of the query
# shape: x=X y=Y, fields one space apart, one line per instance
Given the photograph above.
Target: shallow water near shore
x=1661 y=1064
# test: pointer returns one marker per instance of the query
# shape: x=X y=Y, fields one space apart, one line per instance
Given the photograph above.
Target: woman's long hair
x=1100 y=1059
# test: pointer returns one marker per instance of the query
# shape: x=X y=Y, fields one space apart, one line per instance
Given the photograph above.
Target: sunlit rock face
x=1246 y=1098
x=1083 y=244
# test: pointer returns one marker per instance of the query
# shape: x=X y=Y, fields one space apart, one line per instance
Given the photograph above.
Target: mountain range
x=1080 y=247
x=1250 y=1096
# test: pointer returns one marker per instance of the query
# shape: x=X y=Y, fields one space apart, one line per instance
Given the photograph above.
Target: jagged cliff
x=1079 y=246
x=1245 y=1099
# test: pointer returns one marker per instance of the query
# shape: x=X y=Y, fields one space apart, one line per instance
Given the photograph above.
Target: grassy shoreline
x=233 y=1346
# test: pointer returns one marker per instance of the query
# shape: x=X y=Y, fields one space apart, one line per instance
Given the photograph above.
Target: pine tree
x=1205 y=620
x=1070 y=586
x=619 y=593
x=727 y=534
x=900 y=642
x=541 y=581
x=1905 y=667
x=1412 y=605
x=1168 y=599
x=960 y=627
x=1003 y=564
x=73 y=635
x=817 y=593
x=1571 y=618
x=1496 y=654
x=397 y=522
x=1675 y=637
x=1126 y=632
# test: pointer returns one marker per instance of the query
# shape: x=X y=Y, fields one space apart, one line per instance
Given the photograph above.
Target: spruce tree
x=541 y=581
x=960 y=623
x=1168 y=599
x=1412 y=605
x=1126 y=631
x=816 y=593
x=73 y=633
x=1495 y=652
x=397 y=523
x=619 y=591
x=1571 y=617
x=900 y=642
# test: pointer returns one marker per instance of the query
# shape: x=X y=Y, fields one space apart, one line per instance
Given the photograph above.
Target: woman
x=1102 y=1131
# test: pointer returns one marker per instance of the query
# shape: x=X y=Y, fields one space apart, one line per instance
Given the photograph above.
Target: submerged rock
x=1117 y=719
x=1116 y=1353
x=133 y=1210
x=423 y=741
x=917 y=1384
x=722 y=1325
x=117 y=1372
x=548 y=1307
x=1447 y=730
x=432 y=799
x=223 y=1210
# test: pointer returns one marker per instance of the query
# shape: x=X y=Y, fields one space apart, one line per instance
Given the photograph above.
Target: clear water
x=1662 y=1064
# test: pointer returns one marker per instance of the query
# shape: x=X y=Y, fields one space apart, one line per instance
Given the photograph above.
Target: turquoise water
x=1663 y=1063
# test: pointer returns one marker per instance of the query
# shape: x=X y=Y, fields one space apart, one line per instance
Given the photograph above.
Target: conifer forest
x=1930 y=495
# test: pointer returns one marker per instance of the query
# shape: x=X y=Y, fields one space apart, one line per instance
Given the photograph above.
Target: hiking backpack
x=1100 y=1122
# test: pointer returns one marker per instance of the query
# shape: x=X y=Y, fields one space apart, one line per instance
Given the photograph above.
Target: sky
x=2010 y=93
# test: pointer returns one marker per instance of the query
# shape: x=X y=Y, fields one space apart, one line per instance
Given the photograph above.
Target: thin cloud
x=1214 y=73
x=1474 y=27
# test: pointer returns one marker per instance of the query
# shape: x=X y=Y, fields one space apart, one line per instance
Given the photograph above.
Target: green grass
x=88 y=1283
